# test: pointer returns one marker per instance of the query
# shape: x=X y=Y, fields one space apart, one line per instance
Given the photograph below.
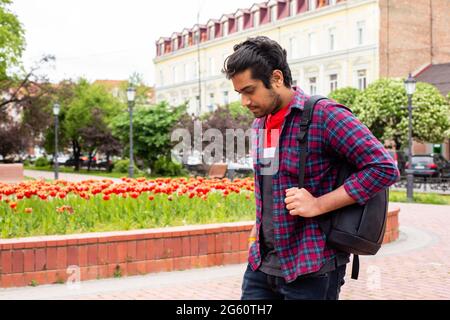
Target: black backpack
x=355 y=229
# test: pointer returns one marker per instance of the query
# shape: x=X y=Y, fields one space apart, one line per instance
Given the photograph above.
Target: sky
x=107 y=39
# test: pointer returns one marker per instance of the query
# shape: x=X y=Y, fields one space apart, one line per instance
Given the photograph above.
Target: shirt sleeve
x=346 y=135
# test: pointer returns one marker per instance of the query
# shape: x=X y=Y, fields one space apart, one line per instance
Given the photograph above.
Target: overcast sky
x=108 y=39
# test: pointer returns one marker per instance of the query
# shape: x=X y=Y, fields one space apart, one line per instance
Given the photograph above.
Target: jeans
x=259 y=286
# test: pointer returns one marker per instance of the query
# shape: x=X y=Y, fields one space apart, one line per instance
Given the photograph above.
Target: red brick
x=182 y=263
x=40 y=260
x=28 y=256
x=61 y=253
x=89 y=273
x=73 y=256
x=186 y=246
x=92 y=254
x=156 y=249
x=15 y=280
x=219 y=243
x=243 y=238
x=56 y=277
x=103 y=272
x=177 y=247
x=235 y=245
x=83 y=256
x=227 y=242
x=112 y=253
x=131 y=251
x=52 y=259
x=243 y=257
x=203 y=245
x=39 y=278
x=140 y=250
x=17 y=261
x=227 y=258
x=132 y=269
x=219 y=259
x=122 y=252
x=141 y=267
x=194 y=245
x=211 y=258
x=102 y=254
x=168 y=245
x=211 y=243
x=6 y=262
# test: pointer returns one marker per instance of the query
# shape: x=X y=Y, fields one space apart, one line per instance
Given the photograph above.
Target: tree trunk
x=76 y=154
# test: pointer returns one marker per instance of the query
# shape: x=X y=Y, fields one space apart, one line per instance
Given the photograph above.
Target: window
x=311 y=4
x=273 y=13
x=293 y=54
x=362 y=79
x=256 y=18
x=313 y=85
x=312 y=44
x=333 y=82
x=361 y=26
x=332 y=39
x=211 y=102
x=226 y=99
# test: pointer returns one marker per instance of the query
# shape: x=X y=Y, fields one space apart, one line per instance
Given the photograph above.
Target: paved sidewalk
x=415 y=267
x=71 y=177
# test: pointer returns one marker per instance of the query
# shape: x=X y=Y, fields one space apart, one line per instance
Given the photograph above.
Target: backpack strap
x=355 y=267
x=307 y=117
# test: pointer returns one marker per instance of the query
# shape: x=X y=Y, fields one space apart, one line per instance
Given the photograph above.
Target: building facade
x=330 y=43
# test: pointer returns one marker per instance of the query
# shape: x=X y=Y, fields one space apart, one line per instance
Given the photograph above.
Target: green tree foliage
x=383 y=108
x=12 y=39
x=152 y=128
x=345 y=96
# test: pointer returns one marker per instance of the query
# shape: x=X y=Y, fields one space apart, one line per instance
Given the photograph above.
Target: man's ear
x=277 y=78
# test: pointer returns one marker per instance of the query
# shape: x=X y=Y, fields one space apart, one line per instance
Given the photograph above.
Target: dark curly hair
x=262 y=56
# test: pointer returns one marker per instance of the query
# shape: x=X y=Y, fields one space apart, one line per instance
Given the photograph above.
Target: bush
x=42 y=162
x=121 y=166
x=164 y=166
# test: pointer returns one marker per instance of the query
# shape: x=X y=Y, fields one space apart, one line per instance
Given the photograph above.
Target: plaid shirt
x=335 y=132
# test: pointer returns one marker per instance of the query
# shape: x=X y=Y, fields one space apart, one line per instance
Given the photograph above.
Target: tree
x=345 y=96
x=383 y=108
x=12 y=39
x=85 y=111
x=152 y=128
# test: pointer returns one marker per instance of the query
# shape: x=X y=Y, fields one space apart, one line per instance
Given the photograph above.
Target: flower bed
x=37 y=208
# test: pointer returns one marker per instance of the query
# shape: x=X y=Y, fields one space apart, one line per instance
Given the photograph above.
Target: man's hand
x=299 y=202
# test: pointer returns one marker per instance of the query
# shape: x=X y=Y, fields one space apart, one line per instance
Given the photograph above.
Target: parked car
x=429 y=165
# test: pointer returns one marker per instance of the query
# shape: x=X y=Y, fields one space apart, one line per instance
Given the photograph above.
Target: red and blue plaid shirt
x=335 y=132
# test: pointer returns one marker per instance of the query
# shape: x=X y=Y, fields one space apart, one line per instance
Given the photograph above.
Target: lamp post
x=56 y=109
x=410 y=86
x=131 y=94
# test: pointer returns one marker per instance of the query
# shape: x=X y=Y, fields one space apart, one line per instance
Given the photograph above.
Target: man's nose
x=245 y=101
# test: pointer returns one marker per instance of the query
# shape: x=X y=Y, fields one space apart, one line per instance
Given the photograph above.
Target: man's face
x=255 y=96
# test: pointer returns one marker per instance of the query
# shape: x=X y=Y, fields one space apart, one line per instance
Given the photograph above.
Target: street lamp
x=56 y=109
x=131 y=94
x=410 y=86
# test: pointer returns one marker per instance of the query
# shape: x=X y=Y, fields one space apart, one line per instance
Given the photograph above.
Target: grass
x=422 y=198
x=105 y=174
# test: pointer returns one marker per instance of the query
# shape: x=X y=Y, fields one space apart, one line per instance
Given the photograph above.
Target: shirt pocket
x=290 y=161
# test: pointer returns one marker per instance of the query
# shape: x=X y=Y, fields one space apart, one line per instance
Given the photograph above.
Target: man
x=288 y=254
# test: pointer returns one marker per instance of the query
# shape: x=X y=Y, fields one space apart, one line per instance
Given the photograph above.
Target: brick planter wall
x=45 y=260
